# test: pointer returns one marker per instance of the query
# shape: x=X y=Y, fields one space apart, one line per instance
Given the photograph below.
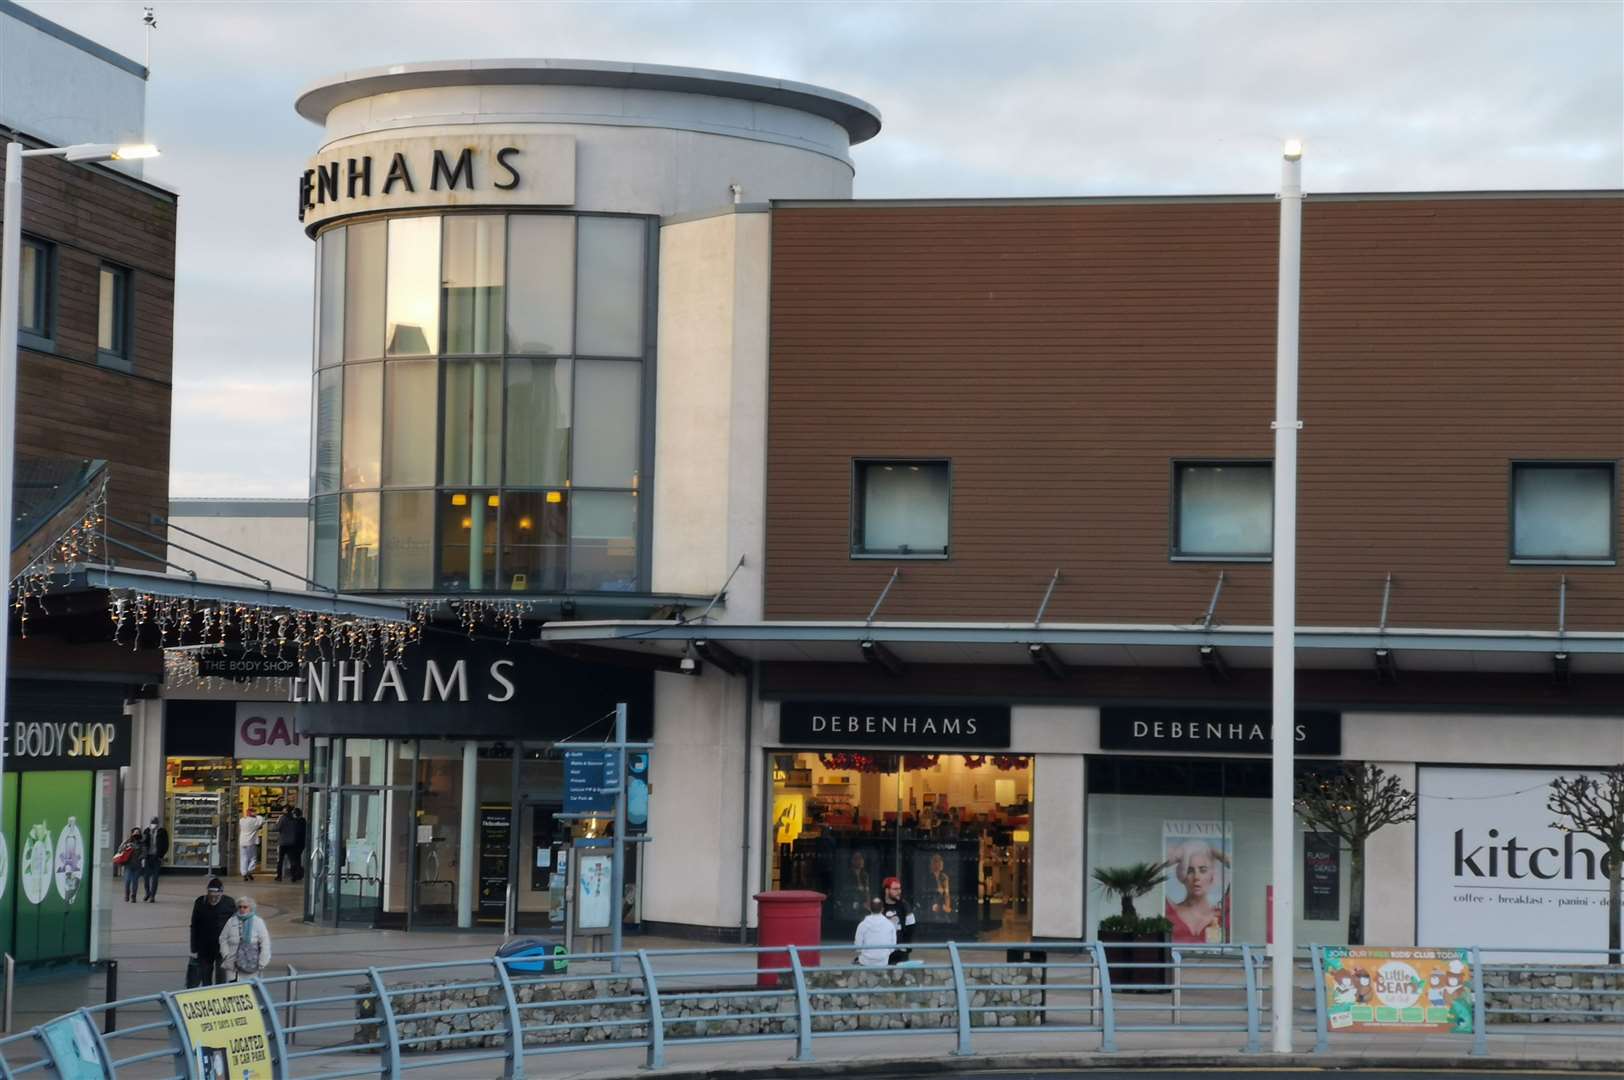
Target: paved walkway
x=150 y=941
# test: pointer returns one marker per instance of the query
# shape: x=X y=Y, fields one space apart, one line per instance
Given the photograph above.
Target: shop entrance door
x=538 y=892
x=321 y=888
x=360 y=856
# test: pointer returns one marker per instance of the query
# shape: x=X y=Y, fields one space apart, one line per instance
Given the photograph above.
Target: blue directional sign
x=591 y=781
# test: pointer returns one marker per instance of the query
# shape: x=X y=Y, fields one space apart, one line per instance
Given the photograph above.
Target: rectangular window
x=409 y=417
x=603 y=541
x=36 y=289
x=113 y=314
x=330 y=298
x=413 y=304
x=473 y=422
x=1223 y=510
x=324 y=542
x=363 y=424
x=325 y=461
x=358 y=542
x=901 y=509
x=608 y=414
x=535 y=540
x=472 y=279
x=363 y=290
x=541 y=267
x=408 y=540
x=609 y=286
x=468 y=540
x=538 y=422
x=1564 y=512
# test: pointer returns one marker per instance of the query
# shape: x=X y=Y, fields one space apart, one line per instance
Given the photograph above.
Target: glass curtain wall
x=478 y=404
x=956 y=829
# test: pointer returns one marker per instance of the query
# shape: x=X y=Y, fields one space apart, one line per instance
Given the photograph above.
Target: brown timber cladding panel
x=1064 y=356
x=67 y=405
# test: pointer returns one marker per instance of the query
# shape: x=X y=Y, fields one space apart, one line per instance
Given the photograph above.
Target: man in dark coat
x=210 y=913
x=154 y=847
x=290 y=838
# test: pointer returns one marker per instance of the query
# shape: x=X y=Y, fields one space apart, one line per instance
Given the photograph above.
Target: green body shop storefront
x=64 y=745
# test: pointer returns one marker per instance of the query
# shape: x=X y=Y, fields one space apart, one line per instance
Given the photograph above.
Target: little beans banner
x=1398 y=989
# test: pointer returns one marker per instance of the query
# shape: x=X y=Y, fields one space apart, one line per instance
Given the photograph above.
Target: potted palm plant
x=1136 y=945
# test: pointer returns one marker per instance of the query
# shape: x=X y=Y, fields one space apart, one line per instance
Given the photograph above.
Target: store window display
x=954 y=828
x=1207 y=822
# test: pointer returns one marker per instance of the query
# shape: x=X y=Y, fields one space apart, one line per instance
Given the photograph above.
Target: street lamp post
x=1283 y=755
x=11 y=231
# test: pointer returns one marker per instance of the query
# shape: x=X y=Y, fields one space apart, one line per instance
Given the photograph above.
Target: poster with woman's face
x=1197 y=858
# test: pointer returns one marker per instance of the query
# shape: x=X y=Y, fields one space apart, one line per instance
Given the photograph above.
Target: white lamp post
x=11 y=230
x=1286 y=424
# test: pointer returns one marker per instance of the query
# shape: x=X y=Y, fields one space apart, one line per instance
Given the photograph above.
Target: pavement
x=150 y=943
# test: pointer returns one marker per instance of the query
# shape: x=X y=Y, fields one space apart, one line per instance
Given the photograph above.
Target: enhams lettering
x=321 y=683
x=321 y=185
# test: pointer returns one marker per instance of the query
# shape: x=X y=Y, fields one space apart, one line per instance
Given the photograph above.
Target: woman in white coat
x=245 y=943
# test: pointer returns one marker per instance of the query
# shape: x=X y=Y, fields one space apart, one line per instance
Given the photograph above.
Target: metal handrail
x=688 y=997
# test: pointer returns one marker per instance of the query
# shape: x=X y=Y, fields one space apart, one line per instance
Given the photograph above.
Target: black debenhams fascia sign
x=1215 y=730
x=470 y=689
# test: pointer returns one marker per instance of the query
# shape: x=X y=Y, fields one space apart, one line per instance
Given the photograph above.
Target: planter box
x=1138 y=949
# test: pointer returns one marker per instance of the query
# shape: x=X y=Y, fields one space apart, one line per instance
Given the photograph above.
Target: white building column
x=1058 y=886
x=144 y=782
x=1390 y=875
x=468 y=836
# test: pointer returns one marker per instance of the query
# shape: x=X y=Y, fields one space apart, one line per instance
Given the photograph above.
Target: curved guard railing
x=972 y=996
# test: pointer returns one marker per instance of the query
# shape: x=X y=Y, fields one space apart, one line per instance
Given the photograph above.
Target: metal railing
x=393 y=1020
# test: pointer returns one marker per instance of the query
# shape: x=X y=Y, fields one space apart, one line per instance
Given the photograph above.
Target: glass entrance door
x=540 y=893
x=360 y=856
x=321 y=890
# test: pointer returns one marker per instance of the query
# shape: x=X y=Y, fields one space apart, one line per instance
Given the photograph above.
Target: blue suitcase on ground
x=533 y=956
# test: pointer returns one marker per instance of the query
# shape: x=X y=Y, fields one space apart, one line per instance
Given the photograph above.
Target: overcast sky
x=985 y=99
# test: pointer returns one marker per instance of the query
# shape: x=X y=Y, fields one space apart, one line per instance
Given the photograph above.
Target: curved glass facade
x=481 y=402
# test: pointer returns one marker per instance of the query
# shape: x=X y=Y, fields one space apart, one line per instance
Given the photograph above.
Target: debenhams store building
x=544 y=292
x=539 y=376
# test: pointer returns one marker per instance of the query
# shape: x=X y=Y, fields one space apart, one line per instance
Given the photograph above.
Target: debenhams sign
x=381 y=173
x=354 y=681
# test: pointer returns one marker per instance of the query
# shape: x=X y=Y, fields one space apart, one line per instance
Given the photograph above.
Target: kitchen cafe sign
x=385 y=173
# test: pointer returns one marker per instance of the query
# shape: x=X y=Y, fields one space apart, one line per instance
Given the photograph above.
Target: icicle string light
x=80 y=543
x=261 y=630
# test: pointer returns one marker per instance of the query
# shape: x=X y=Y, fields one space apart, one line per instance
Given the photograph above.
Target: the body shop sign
x=265 y=732
x=1492 y=870
x=67 y=744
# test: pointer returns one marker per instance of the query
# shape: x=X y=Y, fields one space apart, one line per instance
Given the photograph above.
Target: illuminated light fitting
x=493 y=501
x=555 y=496
x=459 y=499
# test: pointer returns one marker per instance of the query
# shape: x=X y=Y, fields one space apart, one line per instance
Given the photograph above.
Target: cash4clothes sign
x=1368 y=989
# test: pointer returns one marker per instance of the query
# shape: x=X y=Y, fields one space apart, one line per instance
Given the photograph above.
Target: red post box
x=787 y=917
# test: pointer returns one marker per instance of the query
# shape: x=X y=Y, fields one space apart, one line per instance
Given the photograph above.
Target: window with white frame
x=1563 y=511
x=901 y=509
x=1223 y=509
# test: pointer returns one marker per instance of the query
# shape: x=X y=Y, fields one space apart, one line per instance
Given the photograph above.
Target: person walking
x=210 y=913
x=154 y=848
x=128 y=861
x=249 y=826
x=290 y=838
x=245 y=943
x=876 y=937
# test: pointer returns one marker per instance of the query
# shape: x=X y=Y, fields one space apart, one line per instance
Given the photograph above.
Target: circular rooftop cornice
x=860 y=119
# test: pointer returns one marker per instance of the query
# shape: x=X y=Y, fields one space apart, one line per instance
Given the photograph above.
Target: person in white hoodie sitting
x=876 y=936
